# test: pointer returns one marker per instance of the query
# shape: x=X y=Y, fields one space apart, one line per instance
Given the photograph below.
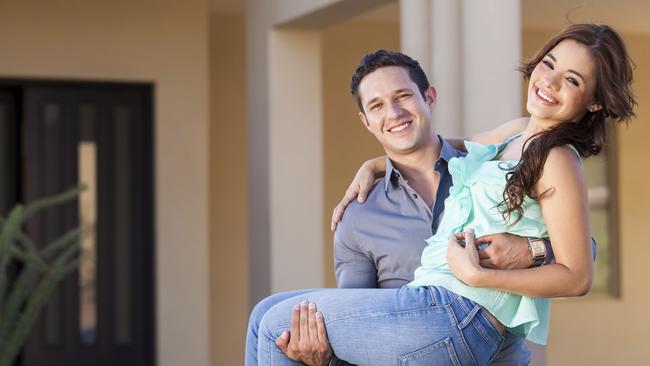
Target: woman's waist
x=493 y=319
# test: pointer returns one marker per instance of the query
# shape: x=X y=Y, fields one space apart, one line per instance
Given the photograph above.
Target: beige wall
x=346 y=142
x=165 y=43
x=228 y=199
x=597 y=330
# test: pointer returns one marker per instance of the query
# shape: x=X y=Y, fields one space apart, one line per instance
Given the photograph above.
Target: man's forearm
x=550 y=256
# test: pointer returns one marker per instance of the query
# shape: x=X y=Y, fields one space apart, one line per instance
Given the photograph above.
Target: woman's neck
x=537 y=125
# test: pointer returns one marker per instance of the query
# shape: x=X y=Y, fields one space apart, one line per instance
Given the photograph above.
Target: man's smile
x=400 y=127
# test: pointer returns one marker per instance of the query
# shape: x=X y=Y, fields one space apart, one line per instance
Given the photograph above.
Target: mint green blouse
x=477 y=190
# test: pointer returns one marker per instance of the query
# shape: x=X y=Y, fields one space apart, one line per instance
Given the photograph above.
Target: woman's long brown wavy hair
x=613 y=72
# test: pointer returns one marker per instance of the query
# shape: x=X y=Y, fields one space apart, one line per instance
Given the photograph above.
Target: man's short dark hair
x=382 y=58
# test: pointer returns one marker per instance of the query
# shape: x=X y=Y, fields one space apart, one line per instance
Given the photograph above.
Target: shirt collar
x=447 y=152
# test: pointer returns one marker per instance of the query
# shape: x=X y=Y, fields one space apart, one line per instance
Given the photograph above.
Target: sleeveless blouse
x=477 y=190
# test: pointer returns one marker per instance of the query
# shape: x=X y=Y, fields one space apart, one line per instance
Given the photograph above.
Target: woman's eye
x=573 y=81
x=548 y=64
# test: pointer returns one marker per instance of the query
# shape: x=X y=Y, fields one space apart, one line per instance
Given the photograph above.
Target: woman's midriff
x=497 y=324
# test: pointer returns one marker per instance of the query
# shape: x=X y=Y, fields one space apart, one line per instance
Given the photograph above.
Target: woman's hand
x=360 y=186
x=464 y=262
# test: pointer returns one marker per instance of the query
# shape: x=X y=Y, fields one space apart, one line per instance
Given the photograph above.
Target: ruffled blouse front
x=477 y=191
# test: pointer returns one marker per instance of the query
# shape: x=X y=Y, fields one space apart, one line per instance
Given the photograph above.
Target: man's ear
x=364 y=120
x=431 y=95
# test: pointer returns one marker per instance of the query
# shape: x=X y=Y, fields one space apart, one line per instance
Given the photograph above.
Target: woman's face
x=562 y=85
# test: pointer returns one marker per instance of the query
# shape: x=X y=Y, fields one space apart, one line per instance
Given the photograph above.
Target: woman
x=531 y=184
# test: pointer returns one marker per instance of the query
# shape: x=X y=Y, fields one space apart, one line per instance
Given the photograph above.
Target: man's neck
x=417 y=168
x=418 y=162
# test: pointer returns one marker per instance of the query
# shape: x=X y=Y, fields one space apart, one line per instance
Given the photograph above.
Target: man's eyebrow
x=550 y=55
x=398 y=91
x=371 y=101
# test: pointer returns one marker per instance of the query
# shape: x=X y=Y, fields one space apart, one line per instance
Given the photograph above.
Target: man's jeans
x=411 y=326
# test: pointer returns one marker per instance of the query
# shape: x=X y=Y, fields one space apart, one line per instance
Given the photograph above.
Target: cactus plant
x=41 y=271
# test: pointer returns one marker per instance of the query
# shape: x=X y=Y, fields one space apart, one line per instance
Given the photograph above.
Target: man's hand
x=505 y=251
x=307 y=342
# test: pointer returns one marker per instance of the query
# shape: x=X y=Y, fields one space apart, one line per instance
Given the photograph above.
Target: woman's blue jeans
x=405 y=326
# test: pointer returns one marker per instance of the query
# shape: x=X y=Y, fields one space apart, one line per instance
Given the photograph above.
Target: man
x=379 y=243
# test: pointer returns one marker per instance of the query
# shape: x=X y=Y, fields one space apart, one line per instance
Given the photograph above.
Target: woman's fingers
x=350 y=195
x=469 y=240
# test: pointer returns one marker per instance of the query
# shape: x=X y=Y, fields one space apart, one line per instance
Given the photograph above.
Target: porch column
x=491 y=52
x=469 y=50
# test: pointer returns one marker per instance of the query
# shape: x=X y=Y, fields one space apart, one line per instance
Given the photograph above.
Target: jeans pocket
x=441 y=353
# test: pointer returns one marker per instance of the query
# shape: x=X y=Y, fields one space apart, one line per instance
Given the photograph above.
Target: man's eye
x=573 y=81
x=548 y=64
x=403 y=96
x=374 y=107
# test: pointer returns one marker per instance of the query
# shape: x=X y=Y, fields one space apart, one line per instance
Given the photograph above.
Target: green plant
x=40 y=272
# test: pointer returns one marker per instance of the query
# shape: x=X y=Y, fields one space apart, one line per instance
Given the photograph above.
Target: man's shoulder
x=355 y=212
x=374 y=199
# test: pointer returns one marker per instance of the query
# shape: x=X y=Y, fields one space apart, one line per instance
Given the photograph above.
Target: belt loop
x=468 y=318
x=432 y=298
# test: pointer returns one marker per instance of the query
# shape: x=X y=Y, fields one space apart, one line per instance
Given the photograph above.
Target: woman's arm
x=373 y=169
x=565 y=210
x=368 y=173
x=494 y=136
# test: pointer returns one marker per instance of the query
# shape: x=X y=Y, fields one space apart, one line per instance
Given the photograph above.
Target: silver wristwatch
x=537 y=249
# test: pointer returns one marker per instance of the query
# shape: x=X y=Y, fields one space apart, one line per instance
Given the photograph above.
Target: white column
x=430 y=34
x=446 y=75
x=415 y=31
x=296 y=160
x=491 y=54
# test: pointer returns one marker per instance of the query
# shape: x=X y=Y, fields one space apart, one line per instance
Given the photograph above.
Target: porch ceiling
x=626 y=15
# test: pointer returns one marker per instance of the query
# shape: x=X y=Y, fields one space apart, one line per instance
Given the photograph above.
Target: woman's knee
x=263 y=307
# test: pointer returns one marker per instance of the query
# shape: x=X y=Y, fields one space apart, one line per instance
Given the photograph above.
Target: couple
x=524 y=178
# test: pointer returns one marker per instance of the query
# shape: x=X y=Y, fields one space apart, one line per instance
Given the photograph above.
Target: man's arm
x=507 y=251
x=550 y=257
x=353 y=268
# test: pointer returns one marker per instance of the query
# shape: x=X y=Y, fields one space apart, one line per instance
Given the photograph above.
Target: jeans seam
x=379 y=314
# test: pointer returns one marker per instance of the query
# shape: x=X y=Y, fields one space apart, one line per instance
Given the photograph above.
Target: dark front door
x=99 y=135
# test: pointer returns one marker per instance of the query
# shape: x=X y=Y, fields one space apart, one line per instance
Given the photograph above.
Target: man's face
x=395 y=111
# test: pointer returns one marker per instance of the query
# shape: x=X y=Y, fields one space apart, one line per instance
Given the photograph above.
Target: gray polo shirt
x=379 y=243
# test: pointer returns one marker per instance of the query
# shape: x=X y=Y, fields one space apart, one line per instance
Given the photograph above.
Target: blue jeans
x=262 y=307
x=407 y=326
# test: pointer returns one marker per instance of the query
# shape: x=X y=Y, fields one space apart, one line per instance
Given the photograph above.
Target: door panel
x=101 y=135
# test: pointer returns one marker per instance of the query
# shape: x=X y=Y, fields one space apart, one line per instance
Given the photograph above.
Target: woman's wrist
x=478 y=277
x=377 y=166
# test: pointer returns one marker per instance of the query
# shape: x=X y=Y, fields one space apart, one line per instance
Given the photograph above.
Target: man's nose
x=393 y=110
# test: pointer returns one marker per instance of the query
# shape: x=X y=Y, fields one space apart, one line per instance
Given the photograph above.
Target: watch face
x=538 y=248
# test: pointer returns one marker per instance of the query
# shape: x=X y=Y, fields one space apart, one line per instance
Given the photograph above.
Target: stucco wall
x=165 y=43
x=228 y=198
